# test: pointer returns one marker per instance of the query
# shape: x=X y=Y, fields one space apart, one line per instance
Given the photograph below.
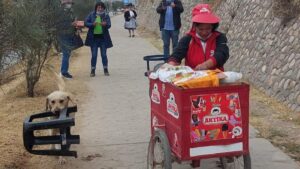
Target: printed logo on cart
x=154 y=121
x=155 y=96
x=237 y=131
x=216 y=117
x=172 y=106
x=198 y=104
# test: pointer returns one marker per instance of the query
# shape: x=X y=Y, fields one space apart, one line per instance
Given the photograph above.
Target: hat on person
x=202 y=13
x=66 y=1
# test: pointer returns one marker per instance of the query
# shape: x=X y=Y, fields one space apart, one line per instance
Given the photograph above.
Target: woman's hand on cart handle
x=205 y=65
x=167 y=65
x=172 y=63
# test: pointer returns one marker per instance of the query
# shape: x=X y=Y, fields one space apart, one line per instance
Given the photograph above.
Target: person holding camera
x=169 y=23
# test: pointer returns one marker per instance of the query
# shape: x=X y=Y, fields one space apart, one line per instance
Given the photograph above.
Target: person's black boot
x=106 y=72
x=92 y=73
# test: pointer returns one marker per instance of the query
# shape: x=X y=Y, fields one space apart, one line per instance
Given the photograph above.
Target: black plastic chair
x=153 y=58
x=65 y=139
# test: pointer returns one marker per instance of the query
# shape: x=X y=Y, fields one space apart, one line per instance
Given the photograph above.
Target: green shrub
x=286 y=10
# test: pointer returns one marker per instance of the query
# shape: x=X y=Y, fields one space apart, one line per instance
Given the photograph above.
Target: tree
x=5 y=45
x=83 y=7
x=34 y=30
x=117 y=4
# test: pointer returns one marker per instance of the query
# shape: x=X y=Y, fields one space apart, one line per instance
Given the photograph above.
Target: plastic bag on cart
x=182 y=77
x=231 y=77
x=165 y=74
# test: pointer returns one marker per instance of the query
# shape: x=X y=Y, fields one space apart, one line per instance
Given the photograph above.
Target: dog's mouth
x=56 y=112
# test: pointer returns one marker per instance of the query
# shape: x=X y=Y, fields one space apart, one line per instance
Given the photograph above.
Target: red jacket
x=196 y=55
x=190 y=48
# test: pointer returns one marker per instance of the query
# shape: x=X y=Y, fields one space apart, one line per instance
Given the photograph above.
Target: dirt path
x=113 y=118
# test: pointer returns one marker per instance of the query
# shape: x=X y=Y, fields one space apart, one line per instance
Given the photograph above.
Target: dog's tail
x=60 y=81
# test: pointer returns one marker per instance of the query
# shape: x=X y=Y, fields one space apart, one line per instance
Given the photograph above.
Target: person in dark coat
x=67 y=38
x=203 y=47
x=98 y=22
x=169 y=23
x=130 y=19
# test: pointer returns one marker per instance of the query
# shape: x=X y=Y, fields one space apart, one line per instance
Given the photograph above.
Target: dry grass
x=152 y=37
x=15 y=106
x=277 y=123
x=286 y=10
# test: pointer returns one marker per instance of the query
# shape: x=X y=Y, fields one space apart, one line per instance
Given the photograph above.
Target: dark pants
x=94 y=50
x=167 y=35
x=65 y=60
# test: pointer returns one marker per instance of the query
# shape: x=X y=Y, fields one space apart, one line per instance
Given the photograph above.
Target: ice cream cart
x=200 y=123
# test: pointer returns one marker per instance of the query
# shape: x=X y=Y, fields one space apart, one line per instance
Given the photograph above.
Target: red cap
x=202 y=13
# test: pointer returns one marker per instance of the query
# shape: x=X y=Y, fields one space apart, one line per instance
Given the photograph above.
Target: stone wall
x=264 y=48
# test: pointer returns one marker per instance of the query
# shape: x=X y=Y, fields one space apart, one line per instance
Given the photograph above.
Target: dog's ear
x=47 y=104
x=69 y=100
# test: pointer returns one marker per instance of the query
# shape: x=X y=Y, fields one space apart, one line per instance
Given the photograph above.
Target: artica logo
x=204 y=10
x=172 y=108
x=155 y=96
x=213 y=120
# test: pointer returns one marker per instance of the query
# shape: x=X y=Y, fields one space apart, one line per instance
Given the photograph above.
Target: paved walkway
x=114 y=121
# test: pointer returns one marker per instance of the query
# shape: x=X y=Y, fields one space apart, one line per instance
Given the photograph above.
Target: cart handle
x=153 y=58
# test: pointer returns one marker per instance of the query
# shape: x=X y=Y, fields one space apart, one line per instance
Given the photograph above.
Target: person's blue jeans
x=167 y=35
x=65 y=60
x=94 y=50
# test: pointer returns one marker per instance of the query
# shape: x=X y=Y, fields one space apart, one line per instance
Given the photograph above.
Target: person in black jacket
x=169 y=23
x=130 y=19
x=66 y=36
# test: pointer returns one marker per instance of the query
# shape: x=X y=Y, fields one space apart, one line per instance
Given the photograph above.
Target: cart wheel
x=159 y=153
x=236 y=162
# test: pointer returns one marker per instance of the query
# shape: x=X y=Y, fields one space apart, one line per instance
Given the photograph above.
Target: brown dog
x=55 y=102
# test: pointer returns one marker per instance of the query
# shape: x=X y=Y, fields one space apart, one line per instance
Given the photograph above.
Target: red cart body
x=204 y=122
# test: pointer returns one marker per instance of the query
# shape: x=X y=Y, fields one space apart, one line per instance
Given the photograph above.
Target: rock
x=286 y=84
x=298 y=75
x=298 y=99
x=295 y=26
x=291 y=39
x=274 y=72
x=275 y=87
x=292 y=63
x=281 y=83
x=291 y=57
x=263 y=69
x=290 y=74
